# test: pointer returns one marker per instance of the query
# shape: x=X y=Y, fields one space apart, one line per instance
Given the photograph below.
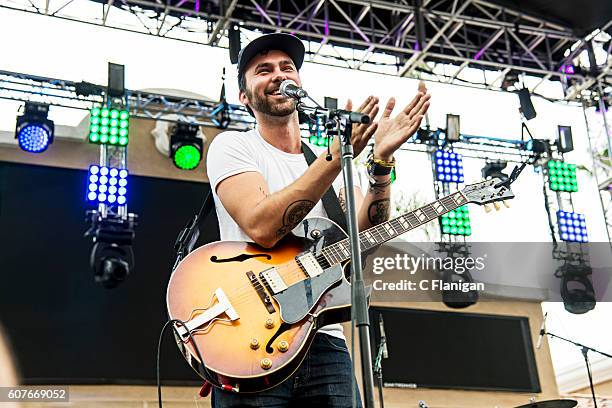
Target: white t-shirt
x=234 y=152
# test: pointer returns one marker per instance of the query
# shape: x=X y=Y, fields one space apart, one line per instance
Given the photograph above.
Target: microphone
x=383 y=337
x=289 y=89
x=542 y=332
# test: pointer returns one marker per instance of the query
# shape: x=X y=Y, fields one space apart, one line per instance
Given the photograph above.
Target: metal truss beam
x=381 y=33
x=145 y=105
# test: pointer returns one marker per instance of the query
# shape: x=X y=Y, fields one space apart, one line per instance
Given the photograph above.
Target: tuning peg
x=487 y=208
x=505 y=203
x=496 y=205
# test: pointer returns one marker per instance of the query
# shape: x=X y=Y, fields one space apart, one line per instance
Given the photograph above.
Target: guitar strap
x=329 y=199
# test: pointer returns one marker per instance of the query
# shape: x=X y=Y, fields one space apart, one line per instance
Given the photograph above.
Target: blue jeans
x=323 y=380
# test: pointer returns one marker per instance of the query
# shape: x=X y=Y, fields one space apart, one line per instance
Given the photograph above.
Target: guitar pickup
x=265 y=299
x=309 y=264
x=273 y=280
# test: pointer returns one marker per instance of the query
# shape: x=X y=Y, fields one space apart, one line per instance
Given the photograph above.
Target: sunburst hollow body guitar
x=250 y=313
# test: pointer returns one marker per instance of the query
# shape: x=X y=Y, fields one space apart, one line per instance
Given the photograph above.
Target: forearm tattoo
x=294 y=214
x=380 y=188
x=379 y=211
x=342 y=200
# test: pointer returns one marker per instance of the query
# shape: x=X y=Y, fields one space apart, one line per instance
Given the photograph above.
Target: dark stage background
x=64 y=328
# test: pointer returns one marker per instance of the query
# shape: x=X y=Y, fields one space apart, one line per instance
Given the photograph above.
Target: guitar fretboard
x=381 y=233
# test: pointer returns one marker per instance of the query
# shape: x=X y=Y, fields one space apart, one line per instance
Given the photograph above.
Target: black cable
x=206 y=375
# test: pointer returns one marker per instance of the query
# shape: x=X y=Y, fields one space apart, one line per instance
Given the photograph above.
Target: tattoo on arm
x=379 y=211
x=263 y=192
x=379 y=188
x=294 y=214
x=342 y=200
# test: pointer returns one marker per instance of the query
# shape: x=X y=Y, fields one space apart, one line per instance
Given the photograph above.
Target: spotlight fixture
x=449 y=166
x=572 y=226
x=493 y=169
x=185 y=146
x=107 y=185
x=565 y=142
x=34 y=131
x=452 y=128
x=456 y=222
x=109 y=126
x=112 y=257
x=577 y=289
x=562 y=176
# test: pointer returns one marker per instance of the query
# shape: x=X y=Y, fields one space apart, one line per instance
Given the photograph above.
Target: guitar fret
x=413 y=220
x=429 y=212
x=399 y=228
x=405 y=223
x=389 y=228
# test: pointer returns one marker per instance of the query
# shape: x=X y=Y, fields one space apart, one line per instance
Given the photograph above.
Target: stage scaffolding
x=435 y=40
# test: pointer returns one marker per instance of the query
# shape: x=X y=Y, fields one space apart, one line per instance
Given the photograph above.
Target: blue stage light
x=34 y=138
x=34 y=132
x=107 y=185
x=572 y=227
x=449 y=167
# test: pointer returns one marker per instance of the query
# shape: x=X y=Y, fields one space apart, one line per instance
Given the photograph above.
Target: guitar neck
x=386 y=231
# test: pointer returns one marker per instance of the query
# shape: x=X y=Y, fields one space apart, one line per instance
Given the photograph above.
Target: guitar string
x=239 y=293
x=243 y=292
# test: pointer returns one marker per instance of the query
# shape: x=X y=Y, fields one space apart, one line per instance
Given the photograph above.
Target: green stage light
x=562 y=176
x=456 y=222
x=187 y=157
x=185 y=146
x=109 y=126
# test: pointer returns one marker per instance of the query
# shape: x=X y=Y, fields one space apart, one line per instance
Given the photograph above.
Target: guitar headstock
x=488 y=191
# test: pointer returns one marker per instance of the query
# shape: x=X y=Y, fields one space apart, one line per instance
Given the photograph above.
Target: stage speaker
x=233 y=34
x=526 y=105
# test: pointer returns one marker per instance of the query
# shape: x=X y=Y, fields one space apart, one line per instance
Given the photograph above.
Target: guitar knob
x=487 y=208
x=496 y=205
x=505 y=203
x=254 y=344
x=269 y=324
x=283 y=346
x=266 y=363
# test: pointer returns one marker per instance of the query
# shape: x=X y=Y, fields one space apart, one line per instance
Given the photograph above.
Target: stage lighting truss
x=456 y=222
x=109 y=126
x=572 y=227
x=185 y=146
x=562 y=176
x=107 y=185
x=34 y=131
x=449 y=166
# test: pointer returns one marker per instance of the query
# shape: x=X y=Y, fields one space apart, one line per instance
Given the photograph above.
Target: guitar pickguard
x=298 y=299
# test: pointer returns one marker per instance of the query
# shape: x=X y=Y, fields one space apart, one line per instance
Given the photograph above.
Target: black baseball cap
x=287 y=43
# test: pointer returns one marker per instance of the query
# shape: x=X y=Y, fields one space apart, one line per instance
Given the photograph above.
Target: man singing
x=263 y=188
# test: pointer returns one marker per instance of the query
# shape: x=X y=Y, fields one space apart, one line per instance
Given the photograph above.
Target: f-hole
x=282 y=328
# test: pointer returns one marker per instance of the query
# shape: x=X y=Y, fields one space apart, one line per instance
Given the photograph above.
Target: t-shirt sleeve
x=226 y=157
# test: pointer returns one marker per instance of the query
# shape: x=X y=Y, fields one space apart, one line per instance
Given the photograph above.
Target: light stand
x=359 y=309
x=585 y=350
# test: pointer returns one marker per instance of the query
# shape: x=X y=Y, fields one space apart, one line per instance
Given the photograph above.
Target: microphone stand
x=585 y=350
x=359 y=306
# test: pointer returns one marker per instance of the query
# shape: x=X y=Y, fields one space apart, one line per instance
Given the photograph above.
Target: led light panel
x=449 y=167
x=107 y=185
x=109 y=126
x=572 y=227
x=562 y=176
x=456 y=222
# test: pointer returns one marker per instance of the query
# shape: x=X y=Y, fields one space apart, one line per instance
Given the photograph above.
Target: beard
x=263 y=104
